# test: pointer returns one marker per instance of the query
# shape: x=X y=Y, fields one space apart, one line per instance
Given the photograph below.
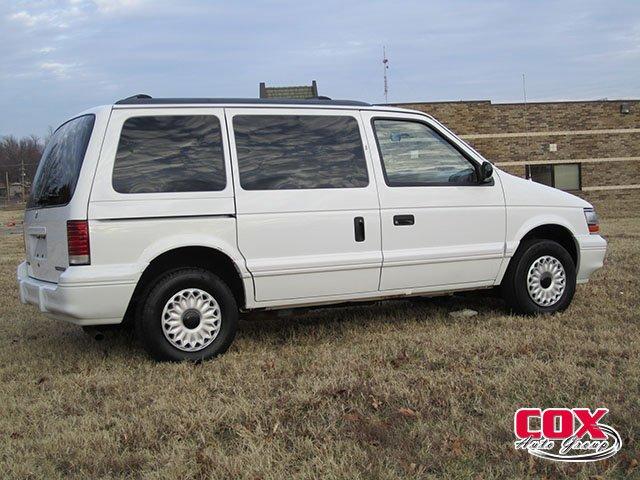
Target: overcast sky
x=60 y=57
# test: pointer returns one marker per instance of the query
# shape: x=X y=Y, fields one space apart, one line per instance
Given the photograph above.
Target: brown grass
x=394 y=389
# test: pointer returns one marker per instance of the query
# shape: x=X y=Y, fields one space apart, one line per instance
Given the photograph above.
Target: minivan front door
x=307 y=205
x=441 y=226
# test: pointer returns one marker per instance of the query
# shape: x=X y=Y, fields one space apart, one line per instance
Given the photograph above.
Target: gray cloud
x=60 y=57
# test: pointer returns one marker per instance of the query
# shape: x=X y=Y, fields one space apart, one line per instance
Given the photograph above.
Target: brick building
x=298 y=91
x=588 y=146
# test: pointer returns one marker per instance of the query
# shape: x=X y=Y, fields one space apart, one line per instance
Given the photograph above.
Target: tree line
x=14 y=152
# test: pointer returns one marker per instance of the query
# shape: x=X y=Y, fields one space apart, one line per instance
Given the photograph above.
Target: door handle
x=358 y=227
x=399 y=220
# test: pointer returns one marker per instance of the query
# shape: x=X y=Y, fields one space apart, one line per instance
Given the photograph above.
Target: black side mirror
x=486 y=172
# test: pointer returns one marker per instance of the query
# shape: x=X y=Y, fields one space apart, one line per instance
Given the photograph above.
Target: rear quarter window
x=170 y=153
x=59 y=168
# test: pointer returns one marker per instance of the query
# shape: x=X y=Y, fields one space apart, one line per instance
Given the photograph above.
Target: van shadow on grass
x=329 y=323
x=313 y=325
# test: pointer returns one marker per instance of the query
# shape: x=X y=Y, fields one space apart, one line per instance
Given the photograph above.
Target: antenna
x=525 y=121
x=385 y=66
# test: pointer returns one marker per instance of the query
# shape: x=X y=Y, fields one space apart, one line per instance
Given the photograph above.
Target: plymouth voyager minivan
x=176 y=214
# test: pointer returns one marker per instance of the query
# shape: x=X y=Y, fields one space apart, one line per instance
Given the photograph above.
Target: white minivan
x=176 y=214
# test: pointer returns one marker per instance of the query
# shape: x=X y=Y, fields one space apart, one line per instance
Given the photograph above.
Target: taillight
x=78 y=242
x=592 y=220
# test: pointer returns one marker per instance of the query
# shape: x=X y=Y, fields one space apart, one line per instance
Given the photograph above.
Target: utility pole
x=6 y=178
x=385 y=66
x=22 y=176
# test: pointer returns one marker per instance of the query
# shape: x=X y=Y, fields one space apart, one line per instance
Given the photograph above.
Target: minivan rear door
x=307 y=206
x=60 y=192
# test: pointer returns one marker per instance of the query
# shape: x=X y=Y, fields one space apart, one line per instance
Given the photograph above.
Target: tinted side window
x=57 y=174
x=413 y=154
x=170 y=154
x=282 y=152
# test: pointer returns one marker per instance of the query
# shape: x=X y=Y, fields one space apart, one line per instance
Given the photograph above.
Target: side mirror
x=486 y=171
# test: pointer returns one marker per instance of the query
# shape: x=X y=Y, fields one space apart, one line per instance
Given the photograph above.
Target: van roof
x=142 y=99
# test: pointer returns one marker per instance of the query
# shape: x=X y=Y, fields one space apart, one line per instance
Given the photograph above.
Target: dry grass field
x=395 y=389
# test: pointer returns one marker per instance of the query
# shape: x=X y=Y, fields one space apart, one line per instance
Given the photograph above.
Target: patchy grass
x=393 y=389
x=10 y=222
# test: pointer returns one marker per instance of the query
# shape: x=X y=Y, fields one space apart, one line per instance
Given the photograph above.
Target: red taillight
x=594 y=228
x=78 y=242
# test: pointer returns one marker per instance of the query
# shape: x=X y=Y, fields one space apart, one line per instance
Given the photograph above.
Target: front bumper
x=592 y=252
x=94 y=304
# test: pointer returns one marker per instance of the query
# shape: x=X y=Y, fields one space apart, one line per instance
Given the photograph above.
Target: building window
x=565 y=176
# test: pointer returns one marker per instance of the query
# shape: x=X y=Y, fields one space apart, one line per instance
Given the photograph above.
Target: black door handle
x=400 y=220
x=358 y=227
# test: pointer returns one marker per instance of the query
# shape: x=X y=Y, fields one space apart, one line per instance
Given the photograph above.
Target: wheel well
x=558 y=234
x=203 y=257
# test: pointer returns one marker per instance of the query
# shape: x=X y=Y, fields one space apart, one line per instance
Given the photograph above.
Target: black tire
x=149 y=315
x=514 y=285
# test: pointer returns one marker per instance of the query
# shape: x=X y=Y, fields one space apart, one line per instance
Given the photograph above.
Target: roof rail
x=142 y=99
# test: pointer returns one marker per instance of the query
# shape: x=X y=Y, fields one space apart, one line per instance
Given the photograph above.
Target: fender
x=531 y=223
x=172 y=242
x=177 y=241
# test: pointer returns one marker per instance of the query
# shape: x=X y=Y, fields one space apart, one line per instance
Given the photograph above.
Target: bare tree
x=20 y=156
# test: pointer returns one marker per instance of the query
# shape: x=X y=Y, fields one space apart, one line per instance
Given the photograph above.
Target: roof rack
x=143 y=99
x=137 y=96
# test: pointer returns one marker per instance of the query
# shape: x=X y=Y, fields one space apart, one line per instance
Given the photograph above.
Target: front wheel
x=541 y=278
x=188 y=314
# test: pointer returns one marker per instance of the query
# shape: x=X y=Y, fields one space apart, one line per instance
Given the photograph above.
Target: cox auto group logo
x=565 y=434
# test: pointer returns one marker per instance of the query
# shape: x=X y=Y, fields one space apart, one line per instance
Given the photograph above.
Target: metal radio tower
x=385 y=66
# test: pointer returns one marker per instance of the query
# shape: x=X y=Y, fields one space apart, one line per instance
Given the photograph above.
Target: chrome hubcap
x=191 y=320
x=546 y=281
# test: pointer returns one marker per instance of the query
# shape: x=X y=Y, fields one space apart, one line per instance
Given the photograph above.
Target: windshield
x=57 y=174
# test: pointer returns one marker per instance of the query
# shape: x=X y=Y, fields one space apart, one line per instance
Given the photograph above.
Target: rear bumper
x=94 y=304
x=592 y=252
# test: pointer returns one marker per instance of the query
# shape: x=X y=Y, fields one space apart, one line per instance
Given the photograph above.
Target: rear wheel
x=188 y=314
x=541 y=278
